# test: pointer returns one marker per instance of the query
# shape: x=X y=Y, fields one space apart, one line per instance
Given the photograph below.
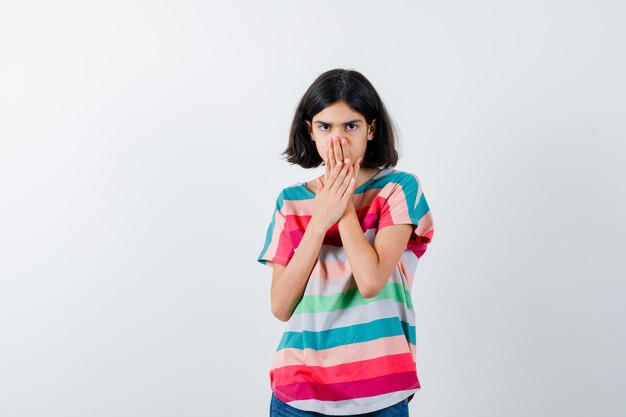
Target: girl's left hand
x=338 y=150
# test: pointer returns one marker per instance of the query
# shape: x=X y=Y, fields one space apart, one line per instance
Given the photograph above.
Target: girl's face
x=339 y=121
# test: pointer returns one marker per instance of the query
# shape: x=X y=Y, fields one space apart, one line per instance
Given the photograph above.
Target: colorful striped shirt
x=341 y=353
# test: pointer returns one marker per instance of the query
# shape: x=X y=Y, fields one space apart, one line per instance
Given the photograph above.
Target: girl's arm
x=372 y=266
x=289 y=282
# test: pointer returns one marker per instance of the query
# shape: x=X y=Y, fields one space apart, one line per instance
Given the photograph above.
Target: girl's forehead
x=338 y=113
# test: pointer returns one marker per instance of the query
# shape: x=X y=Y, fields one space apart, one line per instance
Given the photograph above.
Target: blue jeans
x=279 y=408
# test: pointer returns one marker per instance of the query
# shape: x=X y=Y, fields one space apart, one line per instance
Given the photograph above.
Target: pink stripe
x=279 y=224
x=272 y=249
x=331 y=270
x=320 y=286
x=297 y=207
x=343 y=354
x=371 y=368
x=348 y=390
x=395 y=211
x=426 y=224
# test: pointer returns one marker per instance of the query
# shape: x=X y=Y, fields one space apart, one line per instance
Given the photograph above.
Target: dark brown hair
x=353 y=88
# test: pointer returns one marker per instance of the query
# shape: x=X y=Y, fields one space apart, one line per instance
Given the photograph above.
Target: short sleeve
x=406 y=204
x=278 y=246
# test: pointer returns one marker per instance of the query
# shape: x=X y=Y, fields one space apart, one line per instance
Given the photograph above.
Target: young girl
x=344 y=249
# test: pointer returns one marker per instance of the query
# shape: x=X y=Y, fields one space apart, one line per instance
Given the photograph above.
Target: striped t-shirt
x=341 y=353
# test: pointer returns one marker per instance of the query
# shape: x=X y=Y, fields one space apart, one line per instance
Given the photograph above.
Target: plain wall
x=140 y=160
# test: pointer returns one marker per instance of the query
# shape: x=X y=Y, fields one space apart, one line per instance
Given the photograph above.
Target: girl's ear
x=371 y=130
x=309 y=128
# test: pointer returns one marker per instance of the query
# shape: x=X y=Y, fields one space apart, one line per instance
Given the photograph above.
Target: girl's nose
x=338 y=136
x=338 y=129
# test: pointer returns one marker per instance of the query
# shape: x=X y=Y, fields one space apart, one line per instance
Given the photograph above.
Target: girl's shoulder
x=395 y=176
x=292 y=191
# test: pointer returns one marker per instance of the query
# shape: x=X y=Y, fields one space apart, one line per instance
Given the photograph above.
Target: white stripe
x=355 y=406
x=375 y=310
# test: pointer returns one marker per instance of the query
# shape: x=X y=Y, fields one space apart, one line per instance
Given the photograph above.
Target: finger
x=327 y=166
x=344 y=149
x=347 y=187
x=337 y=149
x=329 y=161
x=346 y=155
x=333 y=174
x=343 y=173
x=331 y=152
x=357 y=169
x=341 y=145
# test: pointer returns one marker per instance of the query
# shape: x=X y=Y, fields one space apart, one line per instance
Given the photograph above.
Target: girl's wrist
x=316 y=227
x=350 y=210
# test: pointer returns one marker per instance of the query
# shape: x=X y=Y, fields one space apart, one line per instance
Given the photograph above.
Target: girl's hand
x=338 y=151
x=331 y=201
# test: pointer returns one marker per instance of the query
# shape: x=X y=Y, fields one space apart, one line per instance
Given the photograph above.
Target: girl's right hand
x=330 y=202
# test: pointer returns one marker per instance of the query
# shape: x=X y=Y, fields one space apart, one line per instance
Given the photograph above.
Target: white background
x=139 y=166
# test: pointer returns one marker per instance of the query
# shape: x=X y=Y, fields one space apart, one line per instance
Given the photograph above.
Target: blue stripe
x=358 y=333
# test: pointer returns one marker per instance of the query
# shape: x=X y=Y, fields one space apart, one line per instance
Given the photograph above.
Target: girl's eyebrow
x=346 y=123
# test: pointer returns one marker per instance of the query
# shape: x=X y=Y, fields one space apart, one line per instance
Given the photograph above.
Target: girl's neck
x=366 y=175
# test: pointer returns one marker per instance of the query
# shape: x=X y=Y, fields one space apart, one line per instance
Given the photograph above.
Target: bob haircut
x=359 y=94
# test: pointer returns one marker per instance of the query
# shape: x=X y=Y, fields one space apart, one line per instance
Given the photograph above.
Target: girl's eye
x=351 y=127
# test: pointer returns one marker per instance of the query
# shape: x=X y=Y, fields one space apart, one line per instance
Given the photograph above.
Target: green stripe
x=358 y=333
x=351 y=298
